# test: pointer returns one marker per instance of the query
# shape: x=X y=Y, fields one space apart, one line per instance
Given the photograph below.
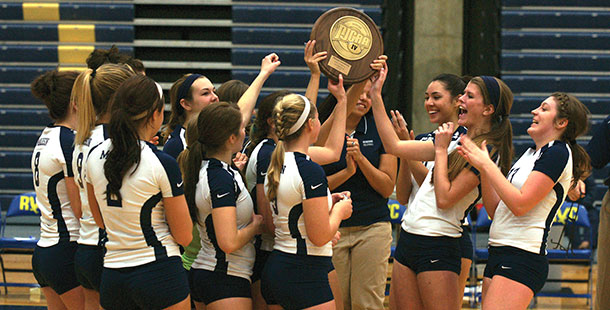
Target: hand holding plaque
x=352 y=41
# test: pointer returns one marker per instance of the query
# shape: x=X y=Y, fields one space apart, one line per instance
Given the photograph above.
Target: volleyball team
x=296 y=217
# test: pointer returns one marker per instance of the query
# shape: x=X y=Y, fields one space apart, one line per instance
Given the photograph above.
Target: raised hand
x=443 y=135
x=400 y=126
x=240 y=160
x=312 y=59
x=476 y=156
x=270 y=63
x=378 y=80
x=336 y=88
x=379 y=63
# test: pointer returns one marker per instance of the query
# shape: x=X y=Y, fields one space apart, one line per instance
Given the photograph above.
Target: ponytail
x=133 y=105
x=189 y=161
x=92 y=92
x=577 y=114
x=81 y=94
x=287 y=113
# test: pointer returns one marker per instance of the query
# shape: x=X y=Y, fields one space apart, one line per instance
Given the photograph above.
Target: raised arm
x=312 y=61
x=414 y=150
x=248 y=100
x=331 y=151
x=449 y=192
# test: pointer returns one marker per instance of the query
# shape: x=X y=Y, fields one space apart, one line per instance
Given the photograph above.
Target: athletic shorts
x=54 y=266
x=525 y=267
x=156 y=285
x=296 y=281
x=88 y=264
x=259 y=264
x=209 y=286
x=424 y=253
x=466 y=243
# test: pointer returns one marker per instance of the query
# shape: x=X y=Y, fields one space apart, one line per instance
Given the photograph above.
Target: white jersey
x=221 y=186
x=89 y=233
x=255 y=174
x=430 y=164
x=300 y=179
x=135 y=224
x=530 y=231
x=424 y=218
x=50 y=165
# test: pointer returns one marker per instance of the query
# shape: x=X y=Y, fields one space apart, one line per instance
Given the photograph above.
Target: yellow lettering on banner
x=40 y=11
x=76 y=33
x=23 y=203
x=33 y=205
x=393 y=210
x=562 y=215
x=73 y=54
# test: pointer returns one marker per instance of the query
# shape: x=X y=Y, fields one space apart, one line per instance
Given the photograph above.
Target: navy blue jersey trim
x=62 y=228
x=314 y=179
x=66 y=140
x=472 y=204
x=171 y=169
x=221 y=257
x=552 y=160
x=174 y=146
x=223 y=188
x=105 y=131
x=147 y=229
x=263 y=159
x=558 y=189
x=102 y=237
x=293 y=227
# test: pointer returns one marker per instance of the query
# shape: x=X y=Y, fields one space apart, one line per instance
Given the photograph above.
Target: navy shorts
x=209 y=286
x=156 y=285
x=525 y=267
x=424 y=253
x=466 y=243
x=259 y=264
x=296 y=281
x=88 y=264
x=54 y=266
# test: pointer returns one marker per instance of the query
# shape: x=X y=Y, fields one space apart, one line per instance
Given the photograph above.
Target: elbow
x=184 y=240
x=386 y=192
x=443 y=204
x=403 y=200
x=318 y=241
x=227 y=247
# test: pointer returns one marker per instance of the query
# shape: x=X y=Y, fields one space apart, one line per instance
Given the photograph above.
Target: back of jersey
x=135 y=224
x=89 y=231
x=51 y=164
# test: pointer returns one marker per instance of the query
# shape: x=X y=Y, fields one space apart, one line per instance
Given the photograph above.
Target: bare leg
x=237 y=303
x=258 y=302
x=74 y=298
x=336 y=288
x=404 y=293
x=497 y=296
x=53 y=300
x=92 y=299
x=438 y=289
x=463 y=278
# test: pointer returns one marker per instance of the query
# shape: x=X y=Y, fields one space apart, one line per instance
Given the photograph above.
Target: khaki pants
x=602 y=299
x=361 y=260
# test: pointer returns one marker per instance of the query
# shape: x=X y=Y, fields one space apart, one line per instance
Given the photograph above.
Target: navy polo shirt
x=599 y=147
x=368 y=205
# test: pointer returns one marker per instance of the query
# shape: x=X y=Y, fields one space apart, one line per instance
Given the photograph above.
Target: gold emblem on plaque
x=350 y=37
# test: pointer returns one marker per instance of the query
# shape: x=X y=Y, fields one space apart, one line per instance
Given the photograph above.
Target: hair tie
x=302 y=118
x=572 y=141
x=493 y=89
x=160 y=89
x=186 y=85
x=93 y=73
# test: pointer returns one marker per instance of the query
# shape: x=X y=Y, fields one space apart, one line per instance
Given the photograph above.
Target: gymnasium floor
x=32 y=299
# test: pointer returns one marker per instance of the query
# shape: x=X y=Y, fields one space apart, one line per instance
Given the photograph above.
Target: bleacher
x=37 y=37
x=550 y=46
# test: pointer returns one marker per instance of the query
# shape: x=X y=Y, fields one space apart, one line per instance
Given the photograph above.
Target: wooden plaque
x=352 y=41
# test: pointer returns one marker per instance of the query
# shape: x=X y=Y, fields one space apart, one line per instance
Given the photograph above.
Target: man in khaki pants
x=599 y=150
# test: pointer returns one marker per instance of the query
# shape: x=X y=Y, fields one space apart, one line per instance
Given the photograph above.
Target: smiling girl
x=524 y=205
